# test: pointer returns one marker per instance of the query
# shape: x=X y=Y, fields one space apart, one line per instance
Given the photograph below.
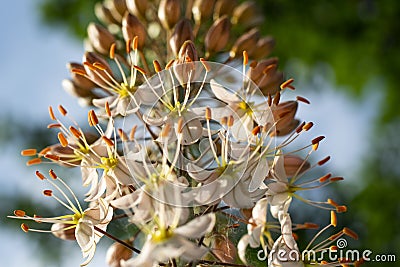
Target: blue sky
x=32 y=67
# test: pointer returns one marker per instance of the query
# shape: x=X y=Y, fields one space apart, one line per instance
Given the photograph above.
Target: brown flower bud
x=224 y=249
x=137 y=7
x=264 y=47
x=184 y=66
x=246 y=42
x=66 y=235
x=117 y=252
x=188 y=50
x=117 y=8
x=182 y=32
x=224 y=7
x=284 y=113
x=218 y=35
x=131 y=27
x=292 y=164
x=169 y=13
x=266 y=66
x=90 y=58
x=78 y=79
x=202 y=9
x=100 y=38
x=74 y=90
x=104 y=14
x=247 y=14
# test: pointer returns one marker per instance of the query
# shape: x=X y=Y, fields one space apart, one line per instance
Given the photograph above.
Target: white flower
x=87 y=223
x=166 y=242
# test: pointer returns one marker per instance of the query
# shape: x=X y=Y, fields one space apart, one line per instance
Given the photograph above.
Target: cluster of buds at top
x=182 y=143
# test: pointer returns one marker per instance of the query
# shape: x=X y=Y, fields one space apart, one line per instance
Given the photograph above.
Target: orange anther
x=28 y=152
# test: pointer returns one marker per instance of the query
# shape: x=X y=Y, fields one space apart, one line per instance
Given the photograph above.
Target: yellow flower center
x=109 y=163
x=162 y=234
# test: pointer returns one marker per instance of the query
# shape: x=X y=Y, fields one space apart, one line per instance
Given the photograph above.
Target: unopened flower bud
x=169 y=13
x=224 y=249
x=182 y=32
x=224 y=7
x=78 y=79
x=74 y=90
x=294 y=164
x=202 y=9
x=131 y=27
x=188 y=49
x=264 y=47
x=100 y=38
x=117 y=252
x=91 y=58
x=104 y=14
x=284 y=116
x=247 y=14
x=65 y=235
x=137 y=7
x=246 y=42
x=117 y=8
x=218 y=35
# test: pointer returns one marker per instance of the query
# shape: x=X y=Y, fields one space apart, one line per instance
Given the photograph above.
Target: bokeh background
x=343 y=54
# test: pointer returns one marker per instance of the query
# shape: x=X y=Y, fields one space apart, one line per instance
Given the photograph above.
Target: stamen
x=333 y=218
x=332 y=202
x=107 y=108
x=170 y=63
x=89 y=65
x=48 y=193
x=132 y=133
x=245 y=58
x=325 y=160
x=308 y=126
x=52 y=157
x=79 y=72
x=256 y=130
x=224 y=120
x=335 y=236
x=157 y=66
x=62 y=139
x=52 y=174
x=141 y=70
x=268 y=68
x=336 y=179
x=128 y=46
x=75 y=132
x=230 y=121
x=28 y=152
x=34 y=161
x=44 y=151
x=208 y=113
x=51 y=113
x=62 y=110
x=108 y=141
x=19 y=213
x=112 y=51
x=302 y=99
x=40 y=175
x=277 y=97
x=99 y=66
x=93 y=120
x=53 y=125
x=324 y=178
x=165 y=130
x=205 y=64
x=341 y=209
x=287 y=84
x=122 y=135
x=180 y=125
x=24 y=227
x=135 y=42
